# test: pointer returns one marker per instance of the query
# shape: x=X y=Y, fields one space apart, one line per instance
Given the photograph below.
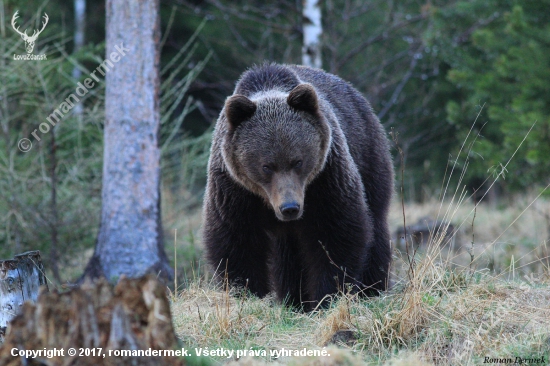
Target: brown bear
x=300 y=180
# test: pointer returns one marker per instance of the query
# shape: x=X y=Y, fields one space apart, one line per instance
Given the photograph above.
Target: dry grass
x=445 y=311
x=522 y=246
x=423 y=324
x=484 y=292
x=214 y=318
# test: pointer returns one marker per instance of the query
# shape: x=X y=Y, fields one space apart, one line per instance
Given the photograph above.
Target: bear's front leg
x=331 y=270
x=236 y=241
x=337 y=234
x=287 y=272
x=239 y=255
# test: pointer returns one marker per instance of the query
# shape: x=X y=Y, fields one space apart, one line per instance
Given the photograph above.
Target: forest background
x=431 y=70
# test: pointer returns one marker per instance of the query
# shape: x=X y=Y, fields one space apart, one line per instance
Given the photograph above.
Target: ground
x=448 y=311
x=442 y=321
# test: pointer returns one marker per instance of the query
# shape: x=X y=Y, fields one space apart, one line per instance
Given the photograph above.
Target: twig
x=379 y=37
x=340 y=268
x=175 y=264
x=401 y=85
x=471 y=249
x=401 y=155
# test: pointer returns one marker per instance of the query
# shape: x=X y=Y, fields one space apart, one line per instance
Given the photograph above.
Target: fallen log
x=98 y=323
x=20 y=279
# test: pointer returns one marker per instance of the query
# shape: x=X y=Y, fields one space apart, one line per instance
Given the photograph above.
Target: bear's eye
x=298 y=164
x=267 y=169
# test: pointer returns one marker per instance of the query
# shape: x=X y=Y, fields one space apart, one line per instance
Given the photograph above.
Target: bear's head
x=275 y=144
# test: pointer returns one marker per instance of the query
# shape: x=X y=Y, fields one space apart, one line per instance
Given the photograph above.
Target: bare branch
x=465 y=36
x=401 y=84
x=379 y=37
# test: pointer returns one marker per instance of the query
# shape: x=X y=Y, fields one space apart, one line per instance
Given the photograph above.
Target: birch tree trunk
x=20 y=279
x=130 y=236
x=311 y=51
x=80 y=27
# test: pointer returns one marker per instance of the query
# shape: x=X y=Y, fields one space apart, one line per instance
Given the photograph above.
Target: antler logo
x=29 y=40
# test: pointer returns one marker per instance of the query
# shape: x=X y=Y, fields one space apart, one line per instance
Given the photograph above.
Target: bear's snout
x=290 y=210
x=286 y=195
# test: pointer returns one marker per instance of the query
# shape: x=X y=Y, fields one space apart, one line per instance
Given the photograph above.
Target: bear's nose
x=290 y=209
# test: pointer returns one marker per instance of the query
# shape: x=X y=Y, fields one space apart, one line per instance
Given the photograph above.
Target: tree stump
x=426 y=230
x=20 y=279
x=134 y=316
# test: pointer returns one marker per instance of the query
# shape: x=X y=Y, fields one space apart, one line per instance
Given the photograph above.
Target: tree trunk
x=130 y=236
x=311 y=52
x=20 y=279
x=79 y=33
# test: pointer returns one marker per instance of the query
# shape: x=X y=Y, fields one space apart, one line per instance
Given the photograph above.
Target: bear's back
x=365 y=136
x=265 y=78
x=354 y=113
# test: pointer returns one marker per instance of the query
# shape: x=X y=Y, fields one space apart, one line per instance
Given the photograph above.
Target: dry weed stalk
x=448 y=315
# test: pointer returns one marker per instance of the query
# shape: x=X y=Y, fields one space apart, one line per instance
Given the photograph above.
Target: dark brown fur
x=299 y=185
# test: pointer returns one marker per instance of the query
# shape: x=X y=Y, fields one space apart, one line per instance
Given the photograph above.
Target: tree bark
x=311 y=52
x=20 y=279
x=130 y=236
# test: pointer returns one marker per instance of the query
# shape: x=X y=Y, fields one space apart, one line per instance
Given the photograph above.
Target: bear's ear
x=303 y=98
x=238 y=109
